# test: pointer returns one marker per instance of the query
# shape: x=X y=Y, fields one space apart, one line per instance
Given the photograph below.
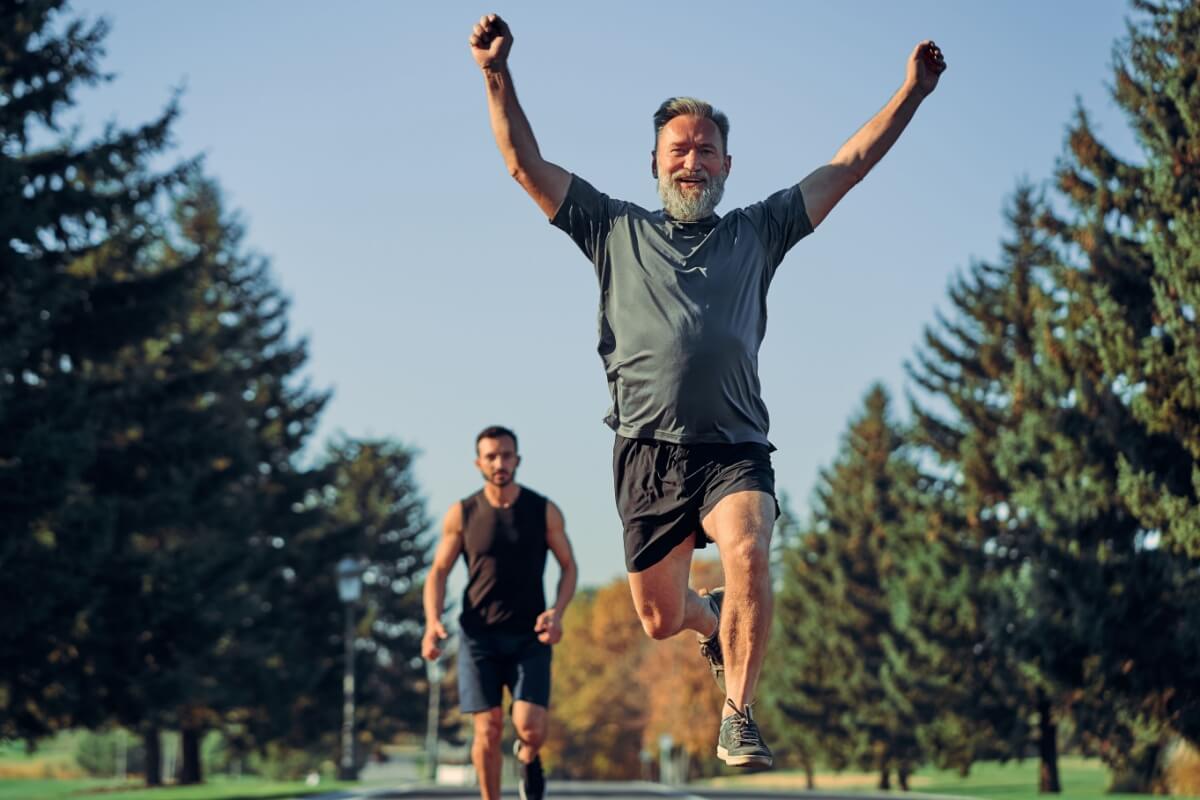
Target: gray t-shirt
x=683 y=310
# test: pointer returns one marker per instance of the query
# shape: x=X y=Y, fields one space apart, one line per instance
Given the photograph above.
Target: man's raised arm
x=828 y=184
x=545 y=182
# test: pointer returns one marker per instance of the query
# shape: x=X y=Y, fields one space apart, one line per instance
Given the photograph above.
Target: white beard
x=688 y=206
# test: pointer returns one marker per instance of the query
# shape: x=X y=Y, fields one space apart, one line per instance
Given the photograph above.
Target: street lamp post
x=349 y=581
x=434 y=668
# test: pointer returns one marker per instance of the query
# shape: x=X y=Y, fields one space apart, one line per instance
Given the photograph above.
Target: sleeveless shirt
x=505 y=551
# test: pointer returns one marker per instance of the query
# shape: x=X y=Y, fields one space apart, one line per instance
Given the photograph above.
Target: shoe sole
x=744 y=760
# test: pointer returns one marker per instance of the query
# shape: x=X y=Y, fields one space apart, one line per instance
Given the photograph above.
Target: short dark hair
x=495 y=432
x=674 y=107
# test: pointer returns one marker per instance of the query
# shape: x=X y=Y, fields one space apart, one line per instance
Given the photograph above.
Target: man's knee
x=658 y=622
x=532 y=735
x=489 y=725
x=529 y=722
x=751 y=549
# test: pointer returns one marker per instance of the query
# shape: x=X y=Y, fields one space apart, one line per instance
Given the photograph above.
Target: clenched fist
x=490 y=42
x=925 y=66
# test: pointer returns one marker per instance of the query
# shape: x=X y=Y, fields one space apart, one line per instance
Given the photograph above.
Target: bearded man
x=682 y=314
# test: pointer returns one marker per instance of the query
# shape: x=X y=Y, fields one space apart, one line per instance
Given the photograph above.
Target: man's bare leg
x=741 y=525
x=529 y=720
x=665 y=603
x=485 y=751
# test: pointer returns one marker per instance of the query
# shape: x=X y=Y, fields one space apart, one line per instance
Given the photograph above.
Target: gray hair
x=674 y=107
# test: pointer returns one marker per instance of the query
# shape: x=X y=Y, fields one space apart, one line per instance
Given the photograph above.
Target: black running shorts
x=664 y=490
x=490 y=660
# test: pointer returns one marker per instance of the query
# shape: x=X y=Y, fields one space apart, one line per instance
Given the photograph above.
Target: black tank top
x=505 y=551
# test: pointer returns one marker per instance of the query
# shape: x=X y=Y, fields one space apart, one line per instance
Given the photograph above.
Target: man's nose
x=692 y=160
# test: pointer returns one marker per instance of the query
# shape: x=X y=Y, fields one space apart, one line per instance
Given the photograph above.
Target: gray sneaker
x=739 y=744
x=710 y=647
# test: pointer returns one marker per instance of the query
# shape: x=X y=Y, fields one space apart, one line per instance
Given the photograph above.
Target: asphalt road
x=610 y=791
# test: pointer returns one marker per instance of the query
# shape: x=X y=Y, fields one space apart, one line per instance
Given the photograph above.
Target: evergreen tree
x=971 y=366
x=802 y=706
x=1142 y=281
x=203 y=483
x=1112 y=471
x=857 y=667
x=81 y=282
x=369 y=510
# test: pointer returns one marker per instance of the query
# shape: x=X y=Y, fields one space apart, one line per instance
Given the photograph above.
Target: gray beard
x=690 y=207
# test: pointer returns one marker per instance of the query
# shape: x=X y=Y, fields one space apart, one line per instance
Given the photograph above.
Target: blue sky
x=437 y=300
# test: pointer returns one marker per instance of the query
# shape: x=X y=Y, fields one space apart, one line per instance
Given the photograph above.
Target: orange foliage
x=615 y=691
x=684 y=701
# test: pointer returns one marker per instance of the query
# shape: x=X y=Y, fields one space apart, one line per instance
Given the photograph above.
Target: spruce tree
x=79 y=231
x=879 y=699
x=802 y=707
x=970 y=371
x=1114 y=470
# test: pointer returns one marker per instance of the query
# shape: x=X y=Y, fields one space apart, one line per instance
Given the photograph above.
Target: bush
x=98 y=753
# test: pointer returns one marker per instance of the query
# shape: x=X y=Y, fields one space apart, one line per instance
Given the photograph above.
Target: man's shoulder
x=533 y=495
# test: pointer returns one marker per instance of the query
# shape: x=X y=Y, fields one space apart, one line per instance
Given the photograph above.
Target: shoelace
x=711 y=649
x=744 y=729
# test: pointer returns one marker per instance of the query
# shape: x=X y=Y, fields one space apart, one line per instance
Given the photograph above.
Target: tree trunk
x=885 y=779
x=1047 y=747
x=810 y=776
x=190 y=771
x=153 y=745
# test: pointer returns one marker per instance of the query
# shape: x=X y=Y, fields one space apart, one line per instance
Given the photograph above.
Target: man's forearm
x=514 y=136
x=872 y=141
x=434 y=597
x=566 y=589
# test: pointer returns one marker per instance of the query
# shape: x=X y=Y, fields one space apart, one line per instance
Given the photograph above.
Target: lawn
x=1081 y=779
x=215 y=789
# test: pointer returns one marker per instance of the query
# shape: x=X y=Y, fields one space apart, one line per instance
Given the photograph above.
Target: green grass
x=216 y=789
x=1081 y=779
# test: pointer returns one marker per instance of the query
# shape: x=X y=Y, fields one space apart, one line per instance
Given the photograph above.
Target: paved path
x=585 y=790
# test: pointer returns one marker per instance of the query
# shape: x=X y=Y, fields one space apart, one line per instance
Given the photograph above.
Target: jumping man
x=682 y=315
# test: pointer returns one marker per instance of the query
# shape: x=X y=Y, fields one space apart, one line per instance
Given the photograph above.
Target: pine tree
x=856 y=669
x=971 y=366
x=1143 y=277
x=81 y=282
x=1118 y=478
x=802 y=707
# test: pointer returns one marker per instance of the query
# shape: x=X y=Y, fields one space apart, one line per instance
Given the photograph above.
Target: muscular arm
x=549 y=623
x=827 y=185
x=542 y=180
x=447 y=552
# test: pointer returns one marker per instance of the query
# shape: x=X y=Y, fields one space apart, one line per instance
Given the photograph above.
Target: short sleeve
x=587 y=215
x=781 y=220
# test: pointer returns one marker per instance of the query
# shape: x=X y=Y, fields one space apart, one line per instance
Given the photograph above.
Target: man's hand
x=548 y=627
x=490 y=42
x=925 y=65
x=434 y=633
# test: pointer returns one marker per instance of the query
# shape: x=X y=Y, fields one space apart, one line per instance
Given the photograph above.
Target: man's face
x=498 y=460
x=691 y=165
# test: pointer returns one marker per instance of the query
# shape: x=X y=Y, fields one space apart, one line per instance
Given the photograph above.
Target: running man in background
x=503 y=533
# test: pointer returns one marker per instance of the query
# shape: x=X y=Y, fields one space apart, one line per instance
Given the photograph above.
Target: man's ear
x=654 y=163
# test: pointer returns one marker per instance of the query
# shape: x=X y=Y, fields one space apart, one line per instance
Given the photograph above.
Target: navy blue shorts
x=664 y=490
x=490 y=660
